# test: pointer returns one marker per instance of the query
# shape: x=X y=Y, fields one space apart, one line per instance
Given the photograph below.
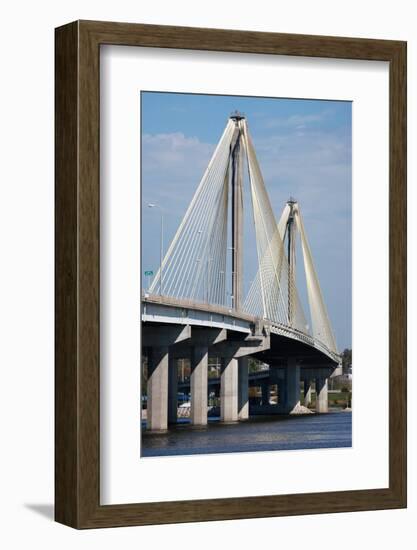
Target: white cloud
x=295 y=121
x=168 y=151
x=172 y=166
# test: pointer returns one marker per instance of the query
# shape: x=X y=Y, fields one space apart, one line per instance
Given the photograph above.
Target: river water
x=261 y=433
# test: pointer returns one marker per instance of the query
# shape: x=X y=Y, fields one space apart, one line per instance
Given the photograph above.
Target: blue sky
x=304 y=151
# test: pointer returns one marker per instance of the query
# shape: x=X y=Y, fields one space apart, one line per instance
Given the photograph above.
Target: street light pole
x=161 y=249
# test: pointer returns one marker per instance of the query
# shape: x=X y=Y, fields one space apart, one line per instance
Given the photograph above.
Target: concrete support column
x=198 y=385
x=322 y=402
x=292 y=384
x=282 y=394
x=307 y=392
x=157 y=413
x=228 y=390
x=265 y=393
x=243 y=388
x=172 y=390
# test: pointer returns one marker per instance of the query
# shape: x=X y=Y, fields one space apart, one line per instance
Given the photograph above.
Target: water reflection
x=258 y=434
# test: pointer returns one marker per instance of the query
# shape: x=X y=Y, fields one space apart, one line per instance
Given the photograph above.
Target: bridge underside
x=283 y=348
x=276 y=354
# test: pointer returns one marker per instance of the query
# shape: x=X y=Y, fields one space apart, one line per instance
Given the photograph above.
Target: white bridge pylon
x=195 y=265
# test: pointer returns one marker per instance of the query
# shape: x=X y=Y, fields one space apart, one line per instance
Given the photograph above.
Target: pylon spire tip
x=237 y=115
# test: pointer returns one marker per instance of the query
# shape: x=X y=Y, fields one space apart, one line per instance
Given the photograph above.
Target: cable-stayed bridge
x=196 y=304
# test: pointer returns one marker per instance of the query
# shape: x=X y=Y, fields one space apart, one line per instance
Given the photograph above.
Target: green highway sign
x=148 y=273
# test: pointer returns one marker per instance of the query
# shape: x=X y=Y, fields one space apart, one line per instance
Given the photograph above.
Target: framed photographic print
x=230 y=274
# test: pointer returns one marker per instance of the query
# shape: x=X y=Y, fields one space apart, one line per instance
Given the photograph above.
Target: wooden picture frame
x=77 y=382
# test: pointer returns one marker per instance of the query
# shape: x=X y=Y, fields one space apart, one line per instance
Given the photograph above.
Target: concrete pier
x=198 y=385
x=157 y=414
x=172 y=390
x=322 y=403
x=265 y=394
x=243 y=388
x=292 y=385
x=282 y=394
x=307 y=392
x=228 y=390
